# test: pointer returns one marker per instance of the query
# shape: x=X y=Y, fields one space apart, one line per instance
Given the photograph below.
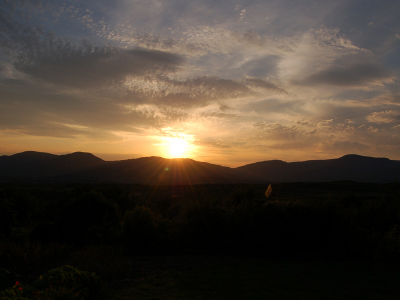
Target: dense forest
x=101 y=228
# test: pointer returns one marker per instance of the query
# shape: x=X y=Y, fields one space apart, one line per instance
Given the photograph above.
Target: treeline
x=210 y=219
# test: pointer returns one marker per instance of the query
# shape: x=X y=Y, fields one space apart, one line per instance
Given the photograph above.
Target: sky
x=225 y=82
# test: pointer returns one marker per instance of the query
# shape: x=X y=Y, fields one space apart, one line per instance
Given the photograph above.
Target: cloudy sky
x=233 y=82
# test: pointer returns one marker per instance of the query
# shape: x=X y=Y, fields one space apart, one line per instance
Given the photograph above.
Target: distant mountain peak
x=359 y=157
x=32 y=155
x=78 y=160
x=352 y=155
x=80 y=154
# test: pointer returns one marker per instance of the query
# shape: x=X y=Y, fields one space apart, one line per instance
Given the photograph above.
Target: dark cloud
x=224 y=107
x=275 y=105
x=304 y=122
x=215 y=87
x=264 y=84
x=368 y=24
x=195 y=92
x=262 y=67
x=88 y=66
x=312 y=132
x=275 y=127
x=340 y=111
x=391 y=59
x=353 y=74
x=43 y=55
x=204 y=90
x=287 y=18
x=356 y=94
x=17 y=33
x=30 y=108
x=250 y=37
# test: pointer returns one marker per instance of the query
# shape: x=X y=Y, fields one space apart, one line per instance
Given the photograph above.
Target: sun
x=177 y=147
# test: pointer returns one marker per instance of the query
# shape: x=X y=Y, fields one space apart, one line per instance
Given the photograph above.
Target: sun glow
x=178 y=147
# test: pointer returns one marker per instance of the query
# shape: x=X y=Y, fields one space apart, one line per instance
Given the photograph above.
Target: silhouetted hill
x=27 y=157
x=85 y=167
x=76 y=161
x=23 y=165
x=347 y=168
x=31 y=165
x=159 y=171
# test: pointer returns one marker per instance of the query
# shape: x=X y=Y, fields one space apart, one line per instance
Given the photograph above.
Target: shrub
x=13 y=294
x=58 y=293
x=67 y=279
x=113 y=265
x=207 y=230
x=140 y=230
x=66 y=283
x=16 y=292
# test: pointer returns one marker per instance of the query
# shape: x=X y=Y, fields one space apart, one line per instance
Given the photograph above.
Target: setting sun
x=177 y=147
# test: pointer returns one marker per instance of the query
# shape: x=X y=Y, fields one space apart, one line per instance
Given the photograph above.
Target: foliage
x=55 y=293
x=89 y=215
x=13 y=294
x=304 y=221
x=17 y=292
x=68 y=278
x=107 y=261
x=82 y=227
x=140 y=230
x=237 y=278
x=66 y=283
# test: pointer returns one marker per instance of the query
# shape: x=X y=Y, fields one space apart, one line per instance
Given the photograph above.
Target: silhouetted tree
x=140 y=230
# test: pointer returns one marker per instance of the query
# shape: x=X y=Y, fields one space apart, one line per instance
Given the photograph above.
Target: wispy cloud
x=388 y=116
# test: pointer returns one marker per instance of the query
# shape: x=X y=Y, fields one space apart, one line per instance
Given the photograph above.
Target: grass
x=254 y=279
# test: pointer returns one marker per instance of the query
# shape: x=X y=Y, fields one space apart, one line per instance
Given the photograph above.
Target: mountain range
x=80 y=167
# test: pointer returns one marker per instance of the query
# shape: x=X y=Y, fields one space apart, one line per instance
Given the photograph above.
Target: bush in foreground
x=65 y=282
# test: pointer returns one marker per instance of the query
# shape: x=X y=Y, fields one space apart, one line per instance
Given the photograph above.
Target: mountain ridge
x=84 y=167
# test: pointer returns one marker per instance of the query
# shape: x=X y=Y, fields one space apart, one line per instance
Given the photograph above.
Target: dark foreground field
x=338 y=240
x=249 y=278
